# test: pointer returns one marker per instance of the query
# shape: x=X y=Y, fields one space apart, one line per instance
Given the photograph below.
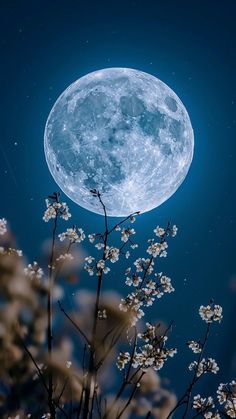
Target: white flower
x=202 y=403
x=195 y=346
x=101 y=267
x=102 y=314
x=3 y=226
x=211 y=415
x=132 y=219
x=99 y=245
x=89 y=269
x=91 y=237
x=56 y=209
x=11 y=251
x=68 y=364
x=206 y=365
x=226 y=395
x=112 y=254
x=166 y=284
x=101 y=264
x=156 y=249
x=174 y=231
x=211 y=313
x=135 y=280
x=159 y=231
x=73 y=235
x=127 y=255
x=89 y=259
x=65 y=257
x=33 y=271
x=126 y=233
x=122 y=360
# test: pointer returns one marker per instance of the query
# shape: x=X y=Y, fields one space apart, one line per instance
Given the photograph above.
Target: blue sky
x=45 y=46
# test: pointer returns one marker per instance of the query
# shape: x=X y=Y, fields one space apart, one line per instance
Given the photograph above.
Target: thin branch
x=131 y=395
x=73 y=322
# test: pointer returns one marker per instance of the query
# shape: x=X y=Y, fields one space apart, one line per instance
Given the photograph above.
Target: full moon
x=123 y=132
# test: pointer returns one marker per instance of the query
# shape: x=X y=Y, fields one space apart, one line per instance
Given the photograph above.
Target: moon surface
x=123 y=132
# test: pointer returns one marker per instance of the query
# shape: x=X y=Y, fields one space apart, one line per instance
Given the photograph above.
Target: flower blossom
x=157 y=249
x=153 y=354
x=3 y=226
x=33 y=271
x=211 y=313
x=159 y=231
x=195 y=346
x=206 y=365
x=101 y=267
x=112 y=254
x=122 y=360
x=73 y=235
x=211 y=415
x=91 y=237
x=202 y=403
x=226 y=395
x=126 y=233
x=56 y=209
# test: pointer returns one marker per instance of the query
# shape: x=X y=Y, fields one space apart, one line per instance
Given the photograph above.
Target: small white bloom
x=195 y=346
x=174 y=231
x=73 y=235
x=102 y=314
x=211 y=313
x=99 y=246
x=56 y=209
x=91 y=237
x=89 y=259
x=33 y=271
x=159 y=231
x=122 y=360
x=126 y=233
x=3 y=226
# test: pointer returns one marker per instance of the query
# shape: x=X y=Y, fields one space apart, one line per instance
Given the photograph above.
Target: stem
x=91 y=367
x=73 y=322
x=49 y=327
x=185 y=399
x=131 y=395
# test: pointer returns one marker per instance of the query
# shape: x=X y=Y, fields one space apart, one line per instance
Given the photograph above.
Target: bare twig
x=73 y=322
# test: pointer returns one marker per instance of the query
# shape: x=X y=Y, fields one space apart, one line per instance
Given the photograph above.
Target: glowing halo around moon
x=123 y=132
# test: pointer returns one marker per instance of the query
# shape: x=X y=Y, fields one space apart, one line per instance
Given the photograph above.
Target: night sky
x=189 y=45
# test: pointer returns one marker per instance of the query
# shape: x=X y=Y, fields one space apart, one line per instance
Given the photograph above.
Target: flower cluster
x=122 y=360
x=157 y=249
x=102 y=314
x=204 y=366
x=195 y=346
x=11 y=252
x=211 y=313
x=152 y=352
x=101 y=266
x=147 y=290
x=56 y=208
x=226 y=395
x=202 y=403
x=112 y=254
x=160 y=231
x=74 y=235
x=34 y=271
x=126 y=233
x=3 y=226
